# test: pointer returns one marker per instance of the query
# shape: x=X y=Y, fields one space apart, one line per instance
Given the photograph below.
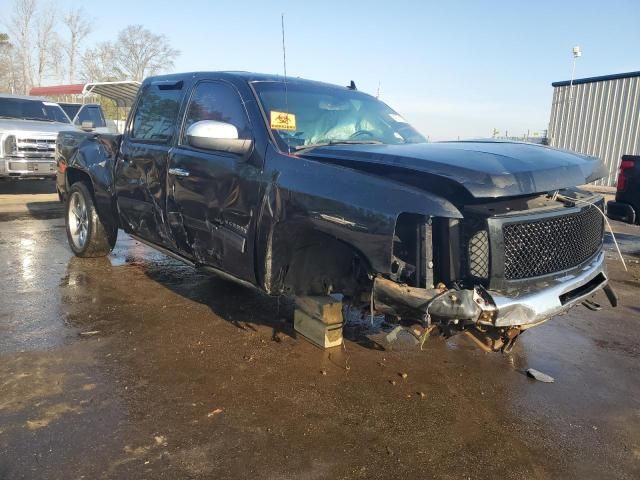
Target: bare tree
x=46 y=42
x=99 y=64
x=7 y=64
x=56 y=56
x=79 y=27
x=140 y=53
x=20 y=26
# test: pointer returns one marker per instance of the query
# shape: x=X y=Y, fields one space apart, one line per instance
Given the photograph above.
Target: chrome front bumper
x=556 y=296
x=27 y=167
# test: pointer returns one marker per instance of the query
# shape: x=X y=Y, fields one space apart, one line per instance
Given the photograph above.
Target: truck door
x=141 y=168
x=213 y=195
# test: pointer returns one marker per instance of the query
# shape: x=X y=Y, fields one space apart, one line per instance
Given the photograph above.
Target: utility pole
x=577 y=53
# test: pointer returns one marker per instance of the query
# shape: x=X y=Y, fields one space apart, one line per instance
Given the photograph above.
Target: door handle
x=179 y=172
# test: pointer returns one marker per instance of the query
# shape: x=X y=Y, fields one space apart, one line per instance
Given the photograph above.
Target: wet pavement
x=135 y=366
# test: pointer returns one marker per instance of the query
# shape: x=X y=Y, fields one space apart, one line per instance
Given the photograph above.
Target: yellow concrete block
x=316 y=331
x=326 y=309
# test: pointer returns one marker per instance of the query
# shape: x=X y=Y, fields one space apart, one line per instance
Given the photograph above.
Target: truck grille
x=541 y=247
x=478 y=247
x=34 y=148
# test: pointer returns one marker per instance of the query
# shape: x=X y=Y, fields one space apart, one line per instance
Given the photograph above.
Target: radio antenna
x=284 y=67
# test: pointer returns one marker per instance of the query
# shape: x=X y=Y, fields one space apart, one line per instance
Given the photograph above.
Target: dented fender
x=92 y=155
x=351 y=206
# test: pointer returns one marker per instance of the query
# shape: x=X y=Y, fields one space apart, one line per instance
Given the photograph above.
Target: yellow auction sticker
x=283 y=121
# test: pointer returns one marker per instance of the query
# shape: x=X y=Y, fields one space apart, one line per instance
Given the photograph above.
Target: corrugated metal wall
x=603 y=119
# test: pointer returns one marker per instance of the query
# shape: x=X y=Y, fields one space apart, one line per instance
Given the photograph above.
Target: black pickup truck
x=304 y=188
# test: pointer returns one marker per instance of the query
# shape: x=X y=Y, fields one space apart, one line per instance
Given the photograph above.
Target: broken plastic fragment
x=88 y=334
x=402 y=336
x=541 y=377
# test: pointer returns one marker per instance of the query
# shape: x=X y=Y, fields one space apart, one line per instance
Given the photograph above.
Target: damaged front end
x=505 y=267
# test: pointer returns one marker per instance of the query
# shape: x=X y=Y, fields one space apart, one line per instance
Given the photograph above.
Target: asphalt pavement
x=135 y=366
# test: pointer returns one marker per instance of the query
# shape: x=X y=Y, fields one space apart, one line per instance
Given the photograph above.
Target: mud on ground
x=135 y=366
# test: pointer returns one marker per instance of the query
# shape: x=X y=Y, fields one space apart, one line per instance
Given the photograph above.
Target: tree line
x=43 y=45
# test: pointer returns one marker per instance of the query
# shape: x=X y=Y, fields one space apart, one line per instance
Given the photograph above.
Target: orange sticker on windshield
x=283 y=121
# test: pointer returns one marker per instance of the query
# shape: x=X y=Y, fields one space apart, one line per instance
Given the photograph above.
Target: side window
x=155 y=117
x=217 y=101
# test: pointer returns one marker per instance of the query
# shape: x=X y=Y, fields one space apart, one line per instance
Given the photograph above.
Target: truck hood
x=17 y=126
x=486 y=169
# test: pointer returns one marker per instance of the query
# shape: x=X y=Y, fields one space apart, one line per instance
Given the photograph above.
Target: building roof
x=75 y=89
x=602 y=78
x=123 y=93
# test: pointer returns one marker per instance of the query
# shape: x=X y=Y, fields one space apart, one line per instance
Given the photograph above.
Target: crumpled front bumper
x=532 y=304
x=551 y=299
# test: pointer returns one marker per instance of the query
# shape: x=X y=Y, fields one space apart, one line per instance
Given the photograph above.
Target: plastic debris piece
x=392 y=336
x=214 y=412
x=88 y=334
x=541 y=377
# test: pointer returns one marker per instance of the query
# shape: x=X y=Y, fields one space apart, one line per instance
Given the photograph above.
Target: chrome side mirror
x=219 y=136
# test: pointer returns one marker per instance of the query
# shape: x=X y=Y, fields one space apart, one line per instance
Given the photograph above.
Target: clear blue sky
x=452 y=68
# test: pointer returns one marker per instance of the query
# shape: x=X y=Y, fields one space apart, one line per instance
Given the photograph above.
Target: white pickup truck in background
x=29 y=127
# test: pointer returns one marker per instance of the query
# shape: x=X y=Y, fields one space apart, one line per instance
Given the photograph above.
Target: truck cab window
x=217 y=101
x=91 y=114
x=155 y=117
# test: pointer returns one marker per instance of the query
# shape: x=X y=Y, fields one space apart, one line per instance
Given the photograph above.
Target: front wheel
x=87 y=235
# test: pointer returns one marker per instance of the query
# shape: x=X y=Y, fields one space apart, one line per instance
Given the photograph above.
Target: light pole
x=577 y=53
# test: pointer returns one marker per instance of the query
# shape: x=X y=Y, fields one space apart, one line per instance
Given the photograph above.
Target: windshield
x=71 y=109
x=308 y=115
x=24 y=109
x=56 y=113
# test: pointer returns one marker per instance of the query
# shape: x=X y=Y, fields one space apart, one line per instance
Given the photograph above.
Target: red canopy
x=75 y=89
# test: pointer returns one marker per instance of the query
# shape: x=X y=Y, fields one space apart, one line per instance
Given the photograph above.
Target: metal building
x=598 y=116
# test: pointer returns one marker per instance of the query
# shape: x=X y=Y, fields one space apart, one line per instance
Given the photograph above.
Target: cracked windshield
x=302 y=117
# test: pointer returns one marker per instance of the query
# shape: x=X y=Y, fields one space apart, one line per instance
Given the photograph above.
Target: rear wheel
x=87 y=235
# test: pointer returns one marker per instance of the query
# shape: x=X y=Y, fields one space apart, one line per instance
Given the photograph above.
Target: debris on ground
x=537 y=375
x=213 y=413
x=402 y=336
x=90 y=333
x=404 y=375
x=422 y=395
x=323 y=372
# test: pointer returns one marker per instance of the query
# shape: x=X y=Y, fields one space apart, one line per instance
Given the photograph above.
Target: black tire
x=87 y=235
